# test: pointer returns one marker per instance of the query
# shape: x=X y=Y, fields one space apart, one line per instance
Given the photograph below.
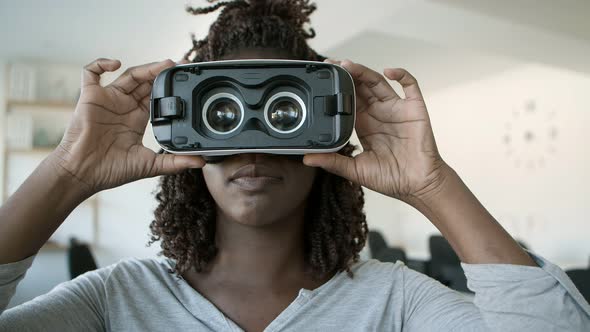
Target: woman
x=261 y=242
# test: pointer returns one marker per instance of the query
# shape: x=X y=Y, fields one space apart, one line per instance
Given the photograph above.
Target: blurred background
x=506 y=83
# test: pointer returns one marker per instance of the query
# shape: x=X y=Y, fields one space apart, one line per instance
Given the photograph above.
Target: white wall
x=3 y=73
x=538 y=189
x=124 y=218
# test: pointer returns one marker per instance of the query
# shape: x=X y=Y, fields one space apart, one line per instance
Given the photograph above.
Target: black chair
x=80 y=259
x=382 y=252
x=445 y=265
x=581 y=278
x=376 y=242
x=391 y=254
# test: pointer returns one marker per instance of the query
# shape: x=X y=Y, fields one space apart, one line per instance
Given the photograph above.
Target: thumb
x=334 y=163
x=166 y=164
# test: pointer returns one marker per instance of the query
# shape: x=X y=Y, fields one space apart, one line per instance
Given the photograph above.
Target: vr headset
x=222 y=108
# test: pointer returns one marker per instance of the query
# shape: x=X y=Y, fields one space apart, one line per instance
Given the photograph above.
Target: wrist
x=472 y=231
x=61 y=172
x=437 y=186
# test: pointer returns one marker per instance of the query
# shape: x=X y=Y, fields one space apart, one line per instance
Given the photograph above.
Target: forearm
x=470 y=229
x=33 y=213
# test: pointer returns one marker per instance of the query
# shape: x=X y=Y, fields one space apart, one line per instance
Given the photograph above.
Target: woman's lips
x=255 y=177
x=258 y=183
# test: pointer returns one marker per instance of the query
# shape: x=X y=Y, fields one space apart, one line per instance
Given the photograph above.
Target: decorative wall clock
x=531 y=134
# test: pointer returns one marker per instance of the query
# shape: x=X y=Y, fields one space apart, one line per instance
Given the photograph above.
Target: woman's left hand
x=400 y=158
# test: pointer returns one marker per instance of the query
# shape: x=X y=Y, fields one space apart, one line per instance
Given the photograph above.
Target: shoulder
x=142 y=268
x=151 y=264
x=370 y=275
x=373 y=284
x=374 y=269
x=132 y=269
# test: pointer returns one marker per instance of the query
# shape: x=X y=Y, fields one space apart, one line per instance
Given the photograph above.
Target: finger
x=142 y=90
x=138 y=120
x=135 y=76
x=182 y=61
x=361 y=90
x=366 y=97
x=407 y=81
x=92 y=71
x=166 y=164
x=372 y=79
x=144 y=104
x=335 y=163
x=361 y=103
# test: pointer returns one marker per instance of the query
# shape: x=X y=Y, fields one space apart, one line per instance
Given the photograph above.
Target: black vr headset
x=222 y=108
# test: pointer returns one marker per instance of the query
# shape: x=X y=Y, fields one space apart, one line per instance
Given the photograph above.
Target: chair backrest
x=80 y=259
x=445 y=265
x=581 y=278
x=441 y=251
x=376 y=243
x=391 y=254
x=382 y=252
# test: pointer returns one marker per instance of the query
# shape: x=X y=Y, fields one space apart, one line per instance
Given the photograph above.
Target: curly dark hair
x=335 y=226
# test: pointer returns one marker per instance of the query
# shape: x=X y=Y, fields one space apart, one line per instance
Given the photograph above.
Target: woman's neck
x=265 y=253
x=271 y=254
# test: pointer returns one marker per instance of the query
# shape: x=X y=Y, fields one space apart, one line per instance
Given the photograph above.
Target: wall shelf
x=47 y=104
x=32 y=151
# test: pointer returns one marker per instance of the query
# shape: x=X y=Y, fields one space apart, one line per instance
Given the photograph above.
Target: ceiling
x=567 y=17
x=76 y=31
x=546 y=32
x=137 y=31
x=436 y=66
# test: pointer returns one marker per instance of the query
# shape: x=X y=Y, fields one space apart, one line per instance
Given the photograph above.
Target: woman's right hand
x=102 y=147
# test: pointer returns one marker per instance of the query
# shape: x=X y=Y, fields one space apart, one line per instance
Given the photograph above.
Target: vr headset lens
x=285 y=112
x=223 y=113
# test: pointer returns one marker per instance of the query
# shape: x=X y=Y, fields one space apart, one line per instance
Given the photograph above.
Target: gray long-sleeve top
x=141 y=295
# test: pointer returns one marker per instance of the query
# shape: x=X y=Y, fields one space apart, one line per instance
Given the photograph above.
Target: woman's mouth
x=255 y=177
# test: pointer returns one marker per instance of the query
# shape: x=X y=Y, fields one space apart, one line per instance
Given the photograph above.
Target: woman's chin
x=254 y=217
